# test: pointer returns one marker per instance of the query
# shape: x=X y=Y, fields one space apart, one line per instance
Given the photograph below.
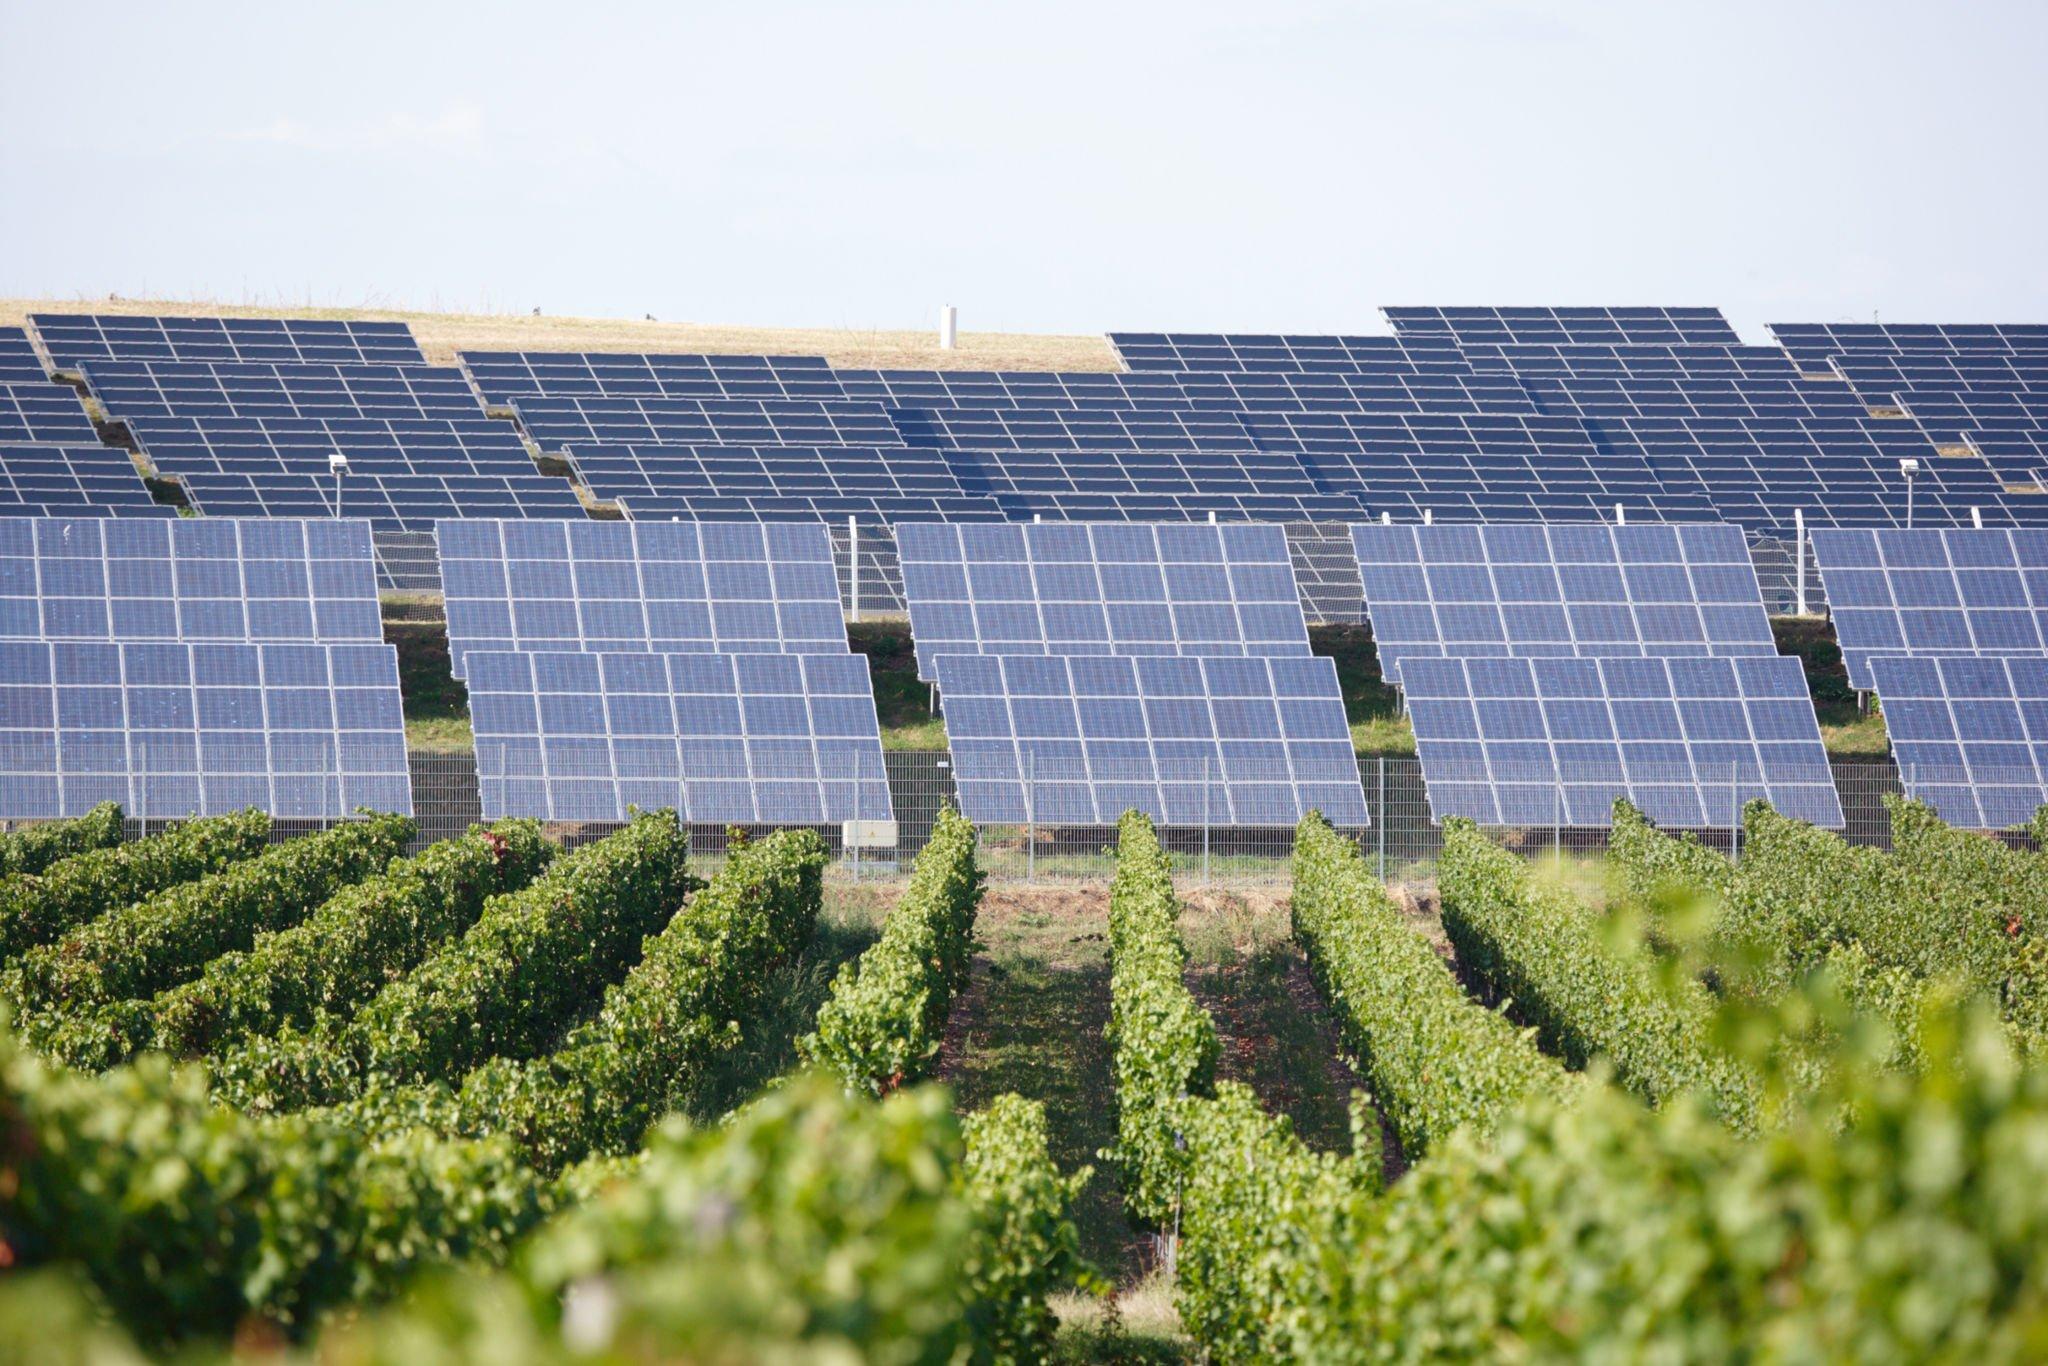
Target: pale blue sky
x=1050 y=167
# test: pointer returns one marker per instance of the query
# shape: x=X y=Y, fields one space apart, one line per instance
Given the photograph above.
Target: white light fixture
x=1908 y=468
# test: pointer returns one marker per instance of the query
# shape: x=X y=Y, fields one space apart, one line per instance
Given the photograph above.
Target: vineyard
x=348 y=1097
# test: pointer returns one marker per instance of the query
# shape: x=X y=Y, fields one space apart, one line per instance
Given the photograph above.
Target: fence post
x=142 y=794
x=1799 y=554
x=1557 y=815
x=1382 y=813
x=1206 y=759
x=853 y=566
x=1031 y=816
x=1735 y=801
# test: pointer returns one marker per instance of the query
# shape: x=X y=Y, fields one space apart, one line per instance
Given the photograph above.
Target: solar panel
x=1247 y=351
x=677 y=475
x=773 y=739
x=389 y=502
x=507 y=376
x=73 y=339
x=18 y=358
x=1151 y=485
x=558 y=422
x=1552 y=742
x=1665 y=397
x=1970 y=734
x=1389 y=387
x=373 y=445
x=1188 y=741
x=1099 y=589
x=1843 y=472
x=1812 y=344
x=1882 y=379
x=1072 y=429
x=171 y=728
x=1562 y=589
x=73 y=481
x=1687 y=326
x=661 y=587
x=203 y=390
x=192 y=579
x=1632 y=361
x=37 y=410
x=1934 y=591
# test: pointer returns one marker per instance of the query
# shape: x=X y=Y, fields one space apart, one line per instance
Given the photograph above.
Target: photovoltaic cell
x=1078 y=741
x=37 y=410
x=18 y=358
x=1562 y=589
x=1970 y=733
x=171 y=728
x=661 y=587
x=1934 y=591
x=775 y=739
x=1099 y=589
x=1552 y=742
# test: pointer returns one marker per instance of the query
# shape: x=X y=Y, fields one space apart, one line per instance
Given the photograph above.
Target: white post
x=1427 y=517
x=853 y=566
x=949 y=327
x=1386 y=519
x=1212 y=516
x=1620 y=515
x=1799 y=555
x=1977 y=518
x=1206 y=760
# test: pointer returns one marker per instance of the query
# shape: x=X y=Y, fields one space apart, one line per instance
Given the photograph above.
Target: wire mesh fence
x=1220 y=827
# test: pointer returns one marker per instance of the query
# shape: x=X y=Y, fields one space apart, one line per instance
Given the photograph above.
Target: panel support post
x=853 y=566
x=1799 y=556
x=949 y=327
x=1735 y=801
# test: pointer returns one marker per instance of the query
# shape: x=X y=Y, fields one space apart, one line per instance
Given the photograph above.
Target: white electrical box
x=867 y=834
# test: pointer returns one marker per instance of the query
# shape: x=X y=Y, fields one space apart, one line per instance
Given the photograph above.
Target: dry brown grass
x=441 y=335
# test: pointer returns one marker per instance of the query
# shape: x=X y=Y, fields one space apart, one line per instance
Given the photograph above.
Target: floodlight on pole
x=337 y=465
x=1909 y=468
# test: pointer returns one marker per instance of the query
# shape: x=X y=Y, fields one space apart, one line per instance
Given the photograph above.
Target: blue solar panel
x=777 y=739
x=1635 y=362
x=1188 y=741
x=1250 y=352
x=508 y=376
x=1813 y=344
x=1678 y=326
x=677 y=479
x=1099 y=589
x=73 y=339
x=37 y=410
x=73 y=481
x=1970 y=733
x=180 y=729
x=1394 y=387
x=666 y=587
x=558 y=422
x=1542 y=742
x=18 y=358
x=1947 y=591
x=205 y=579
x=204 y=390
x=1563 y=589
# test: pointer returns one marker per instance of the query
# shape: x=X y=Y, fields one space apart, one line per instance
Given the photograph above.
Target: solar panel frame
x=1934 y=591
x=1054 y=740
x=1246 y=351
x=203 y=390
x=748 y=739
x=38 y=411
x=73 y=481
x=1573 y=325
x=1551 y=742
x=1099 y=588
x=556 y=423
x=75 y=338
x=639 y=587
x=204 y=579
x=19 y=360
x=504 y=377
x=1969 y=733
x=1559 y=589
x=182 y=728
